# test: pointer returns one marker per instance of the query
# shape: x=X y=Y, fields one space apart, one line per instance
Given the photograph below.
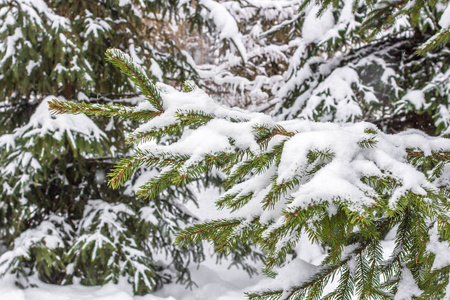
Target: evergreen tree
x=59 y=222
x=386 y=62
x=383 y=77
x=350 y=187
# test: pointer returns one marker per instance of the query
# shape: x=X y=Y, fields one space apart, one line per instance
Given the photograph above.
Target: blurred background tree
x=58 y=218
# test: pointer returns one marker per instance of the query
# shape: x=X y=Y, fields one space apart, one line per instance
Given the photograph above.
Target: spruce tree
x=59 y=222
x=381 y=61
x=392 y=71
x=349 y=187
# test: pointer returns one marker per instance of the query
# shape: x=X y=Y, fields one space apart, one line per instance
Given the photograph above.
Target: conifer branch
x=279 y=190
x=322 y=277
x=206 y=231
x=441 y=38
x=193 y=118
x=155 y=133
x=189 y=86
x=435 y=283
x=345 y=288
x=234 y=201
x=438 y=155
x=257 y=163
x=125 y=168
x=264 y=134
x=137 y=75
x=108 y=110
x=185 y=119
x=278 y=130
x=155 y=186
x=368 y=142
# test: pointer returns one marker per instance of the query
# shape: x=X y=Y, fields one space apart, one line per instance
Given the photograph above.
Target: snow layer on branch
x=315 y=27
x=42 y=123
x=415 y=98
x=95 y=27
x=407 y=287
x=226 y=25
x=36 y=12
x=99 y=218
x=349 y=160
x=46 y=235
x=214 y=136
x=337 y=92
x=7 y=141
x=294 y=273
x=444 y=22
x=440 y=248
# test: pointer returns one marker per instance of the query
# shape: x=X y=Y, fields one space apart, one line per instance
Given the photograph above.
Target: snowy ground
x=214 y=282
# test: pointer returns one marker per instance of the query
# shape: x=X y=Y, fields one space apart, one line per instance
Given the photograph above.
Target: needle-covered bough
x=378 y=203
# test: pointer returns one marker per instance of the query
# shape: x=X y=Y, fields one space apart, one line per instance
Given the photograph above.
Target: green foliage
x=350 y=188
x=52 y=168
x=137 y=75
x=106 y=110
x=101 y=251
